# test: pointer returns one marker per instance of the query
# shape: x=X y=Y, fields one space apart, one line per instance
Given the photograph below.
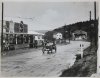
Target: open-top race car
x=49 y=47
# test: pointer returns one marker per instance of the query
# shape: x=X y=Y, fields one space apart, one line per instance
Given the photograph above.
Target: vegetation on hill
x=86 y=66
x=85 y=26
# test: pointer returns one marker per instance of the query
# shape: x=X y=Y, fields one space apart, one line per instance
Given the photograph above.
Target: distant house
x=79 y=35
x=57 y=35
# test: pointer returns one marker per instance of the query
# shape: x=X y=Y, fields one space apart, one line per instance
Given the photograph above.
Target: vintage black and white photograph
x=49 y=39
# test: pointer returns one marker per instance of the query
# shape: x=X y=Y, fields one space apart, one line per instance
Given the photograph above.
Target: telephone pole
x=90 y=15
x=94 y=10
x=96 y=25
x=2 y=27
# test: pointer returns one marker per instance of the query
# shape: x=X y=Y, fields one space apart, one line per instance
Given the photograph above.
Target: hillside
x=42 y=31
x=85 y=26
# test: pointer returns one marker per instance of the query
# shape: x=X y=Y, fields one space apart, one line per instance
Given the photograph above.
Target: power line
x=30 y=18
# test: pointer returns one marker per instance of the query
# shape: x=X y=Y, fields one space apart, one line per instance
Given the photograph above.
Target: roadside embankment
x=84 y=67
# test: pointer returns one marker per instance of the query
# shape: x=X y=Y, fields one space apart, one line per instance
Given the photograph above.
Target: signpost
x=81 y=52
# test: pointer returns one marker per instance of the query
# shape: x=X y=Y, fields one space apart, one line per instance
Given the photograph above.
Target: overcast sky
x=47 y=15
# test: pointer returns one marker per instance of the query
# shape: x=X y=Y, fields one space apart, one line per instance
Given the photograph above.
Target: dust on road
x=36 y=64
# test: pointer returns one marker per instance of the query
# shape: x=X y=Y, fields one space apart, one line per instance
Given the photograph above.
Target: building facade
x=79 y=35
x=57 y=35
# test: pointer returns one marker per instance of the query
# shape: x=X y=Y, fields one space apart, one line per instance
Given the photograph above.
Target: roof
x=33 y=32
x=80 y=32
x=29 y=32
x=56 y=33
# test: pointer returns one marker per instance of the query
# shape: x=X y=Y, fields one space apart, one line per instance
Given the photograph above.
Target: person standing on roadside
x=36 y=44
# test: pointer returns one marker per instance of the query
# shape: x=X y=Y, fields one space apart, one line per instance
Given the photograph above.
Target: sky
x=47 y=15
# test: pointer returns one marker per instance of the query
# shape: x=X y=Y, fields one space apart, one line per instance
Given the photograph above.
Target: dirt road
x=36 y=64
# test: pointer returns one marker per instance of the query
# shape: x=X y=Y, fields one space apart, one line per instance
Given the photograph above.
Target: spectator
x=35 y=44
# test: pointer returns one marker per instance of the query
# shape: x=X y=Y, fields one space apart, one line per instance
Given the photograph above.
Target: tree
x=69 y=31
x=64 y=32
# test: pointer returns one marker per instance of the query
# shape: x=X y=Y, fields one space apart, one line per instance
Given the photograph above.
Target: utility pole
x=90 y=15
x=95 y=10
x=2 y=27
x=96 y=26
x=69 y=33
x=96 y=39
x=90 y=29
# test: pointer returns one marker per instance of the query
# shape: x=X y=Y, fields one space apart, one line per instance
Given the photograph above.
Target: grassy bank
x=84 y=67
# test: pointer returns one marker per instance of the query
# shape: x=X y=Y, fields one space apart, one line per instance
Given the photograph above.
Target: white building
x=79 y=35
x=57 y=35
x=37 y=36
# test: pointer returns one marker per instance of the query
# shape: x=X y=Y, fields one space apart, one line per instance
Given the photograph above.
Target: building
x=15 y=27
x=8 y=26
x=79 y=35
x=37 y=37
x=58 y=37
x=14 y=35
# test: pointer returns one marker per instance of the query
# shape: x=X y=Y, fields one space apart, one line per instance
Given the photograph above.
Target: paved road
x=41 y=65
